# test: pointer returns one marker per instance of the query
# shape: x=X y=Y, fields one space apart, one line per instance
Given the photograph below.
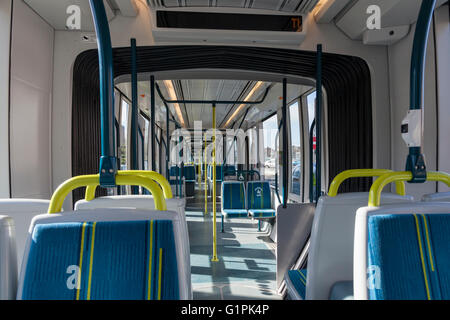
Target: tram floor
x=247 y=265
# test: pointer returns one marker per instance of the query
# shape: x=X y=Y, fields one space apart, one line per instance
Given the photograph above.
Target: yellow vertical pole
x=214 y=258
x=206 y=179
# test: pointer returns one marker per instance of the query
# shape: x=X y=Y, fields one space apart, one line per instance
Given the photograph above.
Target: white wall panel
x=30 y=111
x=5 y=34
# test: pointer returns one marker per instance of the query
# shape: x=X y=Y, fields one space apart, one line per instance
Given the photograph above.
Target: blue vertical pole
x=285 y=147
x=312 y=194
x=134 y=113
x=415 y=161
x=108 y=161
x=318 y=123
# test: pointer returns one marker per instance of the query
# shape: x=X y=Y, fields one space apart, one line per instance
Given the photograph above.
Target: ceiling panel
x=298 y=6
x=201 y=89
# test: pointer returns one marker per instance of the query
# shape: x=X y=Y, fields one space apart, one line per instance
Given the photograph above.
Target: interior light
x=249 y=96
x=173 y=96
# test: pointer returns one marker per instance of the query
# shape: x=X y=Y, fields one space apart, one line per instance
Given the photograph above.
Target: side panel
x=31 y=93
x=5 y=35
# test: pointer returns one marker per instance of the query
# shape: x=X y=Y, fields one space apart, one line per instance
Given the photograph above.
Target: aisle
x=246 y=267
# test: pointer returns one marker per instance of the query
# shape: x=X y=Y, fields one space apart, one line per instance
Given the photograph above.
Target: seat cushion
x=116 y=260
x=333 y=232
x=408 y=257
x=119 y=239
x=296 y=284
x=262 y=213
x=146 y=202
x=235 y=213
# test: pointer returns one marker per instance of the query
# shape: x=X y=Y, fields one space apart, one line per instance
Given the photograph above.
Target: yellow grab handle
x=93 y=181
x=361 y=173
x=165 y=185
x=381 y=182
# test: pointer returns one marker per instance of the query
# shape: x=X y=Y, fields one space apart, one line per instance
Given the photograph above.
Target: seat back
x=402 y=252
x=330 y=258
x=104 y=254
x=259 y=195
x=189 y=173
x=233 y=195
x=8 y=259
x=22 y=212
x=219 y=169
x=147 y=203
x=174 y=170
x=440 y=196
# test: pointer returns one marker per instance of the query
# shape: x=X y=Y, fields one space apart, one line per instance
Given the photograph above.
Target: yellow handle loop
x=361 y=173
x=165 y=185
x=92 y=181
x=381 y=182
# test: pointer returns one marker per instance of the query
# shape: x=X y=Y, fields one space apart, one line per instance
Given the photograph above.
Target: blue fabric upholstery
x=219 y=169
x=233 y=195
x=262 y=213
x=116 y=260
x=298 y=280
x=189 y=173
x=235 y=213
x=174 y=171
x=258 y=195
x=409 y=257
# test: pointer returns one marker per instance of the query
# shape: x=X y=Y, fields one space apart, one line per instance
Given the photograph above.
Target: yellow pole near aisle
x=214 y=258
x=206 y=180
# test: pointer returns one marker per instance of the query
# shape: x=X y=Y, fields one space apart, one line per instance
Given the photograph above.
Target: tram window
x=270 y=128
x=311 y=100
x=124 y=112
x=146 y=138
x=295 y=151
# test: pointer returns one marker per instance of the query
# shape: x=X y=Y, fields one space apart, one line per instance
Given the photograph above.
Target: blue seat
x=189 y=173
x=136 y=259
x=233 y=200
x=219 y=169
x=407 y=254
x=296 y=284
x=174 y=171
x=259 y=201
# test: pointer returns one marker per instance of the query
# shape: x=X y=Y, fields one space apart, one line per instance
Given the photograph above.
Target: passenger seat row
x=109 y=248
x=399 y=250
x=254 y=201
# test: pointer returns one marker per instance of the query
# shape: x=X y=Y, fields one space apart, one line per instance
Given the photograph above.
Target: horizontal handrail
x=382 y=181
x=152 y=175
x=57 y=200
x=361 y=173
